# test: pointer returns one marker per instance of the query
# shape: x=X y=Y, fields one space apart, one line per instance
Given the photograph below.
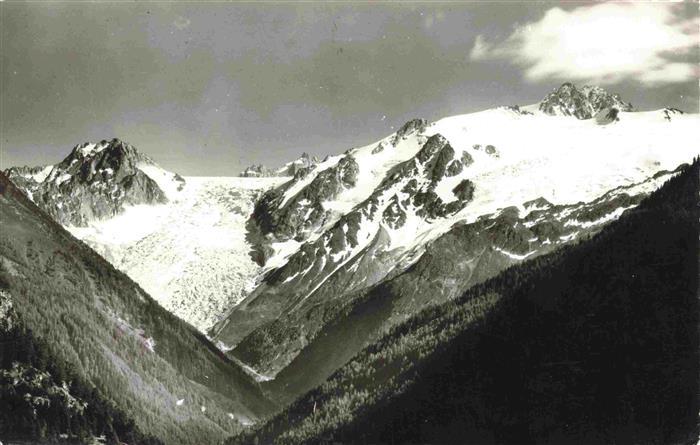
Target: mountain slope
x=142 y=360
x=595 y=343
x=468 y=254
x=44 y=399
x=363 y=217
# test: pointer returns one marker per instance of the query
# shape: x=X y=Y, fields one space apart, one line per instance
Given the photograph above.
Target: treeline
x=594 y=343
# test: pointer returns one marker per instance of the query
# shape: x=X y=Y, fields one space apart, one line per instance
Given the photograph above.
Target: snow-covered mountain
x=96 y=182
x=364 y=217
x=264 y=264
x=575 y=337
x=85 y=352
x=183 y=240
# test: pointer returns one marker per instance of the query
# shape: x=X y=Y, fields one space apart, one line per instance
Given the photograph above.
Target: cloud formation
x=653 y=43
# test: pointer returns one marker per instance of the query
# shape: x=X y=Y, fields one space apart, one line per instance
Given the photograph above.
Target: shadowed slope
x=595 y=343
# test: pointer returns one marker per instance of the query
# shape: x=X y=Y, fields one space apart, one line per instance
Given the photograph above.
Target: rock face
x=295 y=218
x=289 y=169
x=95 y=181
x=606 y=116
x=410 y=127
x=257 y=171
x=584 y=103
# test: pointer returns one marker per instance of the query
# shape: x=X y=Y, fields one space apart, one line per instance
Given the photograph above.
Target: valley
x=242 y=298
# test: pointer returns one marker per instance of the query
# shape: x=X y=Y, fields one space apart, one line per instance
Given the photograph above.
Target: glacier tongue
x=191 y=254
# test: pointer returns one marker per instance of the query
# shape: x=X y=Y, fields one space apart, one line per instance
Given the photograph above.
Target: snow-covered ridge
x=289 y=169
x=411 y=189
x=517 y=156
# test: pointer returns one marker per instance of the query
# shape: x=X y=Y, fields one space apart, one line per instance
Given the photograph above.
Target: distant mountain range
x=289 y=169
x=294 y=271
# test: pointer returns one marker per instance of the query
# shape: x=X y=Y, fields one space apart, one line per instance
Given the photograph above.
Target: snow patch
x=166 y=180
x=514 y=256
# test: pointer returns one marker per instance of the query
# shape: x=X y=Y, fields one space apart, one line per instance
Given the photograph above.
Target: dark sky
x=209 y=88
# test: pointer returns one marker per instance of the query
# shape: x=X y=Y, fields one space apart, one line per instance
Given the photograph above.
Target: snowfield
x=190 y=254
x=560 y=158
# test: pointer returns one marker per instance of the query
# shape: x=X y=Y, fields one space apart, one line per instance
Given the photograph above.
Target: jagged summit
x=96 y=181
x=88 y=160
x=257 y=171
x=583 y=103
x=113 y=148
x=304 y=162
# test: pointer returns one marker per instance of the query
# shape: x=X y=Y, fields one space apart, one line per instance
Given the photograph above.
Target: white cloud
x=602 y=43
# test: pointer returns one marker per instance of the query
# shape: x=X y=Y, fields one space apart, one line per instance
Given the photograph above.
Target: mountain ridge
x=348 y=240
x=577 y=346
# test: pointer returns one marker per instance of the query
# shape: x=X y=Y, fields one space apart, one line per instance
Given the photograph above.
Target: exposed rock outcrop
x=584 y=103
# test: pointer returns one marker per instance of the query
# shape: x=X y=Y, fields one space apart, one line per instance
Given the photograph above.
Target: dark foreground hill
x=595 y=343
x=85 y=352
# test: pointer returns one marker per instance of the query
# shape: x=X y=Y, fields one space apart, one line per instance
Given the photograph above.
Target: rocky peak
x=669 y=112
x=257 y=171
x=583 y=103
x=25 y=176
x=305 y=162
x=89 y=162
x=96 y=181
x=412 y=126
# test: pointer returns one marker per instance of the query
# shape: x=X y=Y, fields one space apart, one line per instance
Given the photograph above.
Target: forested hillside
x=76 y=319
x=43 y=398
x=593 y=343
